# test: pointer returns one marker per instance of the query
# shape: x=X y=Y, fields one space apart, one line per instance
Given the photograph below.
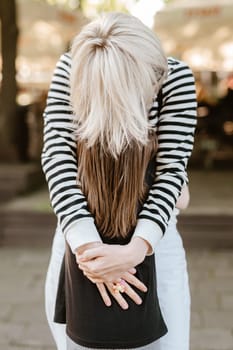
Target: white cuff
x=149 y=231
x=82 y=232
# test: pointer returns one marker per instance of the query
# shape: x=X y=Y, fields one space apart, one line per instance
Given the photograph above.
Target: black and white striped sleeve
x=175 y=132
x=59 y=161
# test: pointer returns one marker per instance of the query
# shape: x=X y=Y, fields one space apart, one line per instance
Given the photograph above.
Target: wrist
x=80 y=250
x=138 y=249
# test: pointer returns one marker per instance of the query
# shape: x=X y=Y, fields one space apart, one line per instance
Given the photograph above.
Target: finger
x=103 y=292
x=132 y=294
x=134 y=281
x=132 y=271
x=117 y=296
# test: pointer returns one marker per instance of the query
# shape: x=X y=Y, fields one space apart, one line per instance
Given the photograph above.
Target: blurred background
x=33 y=34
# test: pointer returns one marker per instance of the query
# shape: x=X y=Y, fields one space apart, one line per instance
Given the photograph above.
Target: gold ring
x=119 y=287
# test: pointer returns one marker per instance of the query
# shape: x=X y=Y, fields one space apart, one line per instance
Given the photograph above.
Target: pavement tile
x=218 y=272
x=36 y=336
x=219 y=319
x=28 y=313
x=10 y=332
x=226 y=301
x=5 y=310
x=196 y=319
x=221 y=284
x=200 y=301
x=211 y=339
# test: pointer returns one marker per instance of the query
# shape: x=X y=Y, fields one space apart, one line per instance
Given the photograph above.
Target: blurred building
x=200 y=33
x=45 y=32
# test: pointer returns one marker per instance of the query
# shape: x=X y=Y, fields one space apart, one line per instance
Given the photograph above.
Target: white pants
x=73 y=346
x=172 y=282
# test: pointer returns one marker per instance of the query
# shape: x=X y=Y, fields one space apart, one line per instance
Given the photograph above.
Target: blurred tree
x=12 y=134
x=111 y=5
x=101 y=5
x=8 y=117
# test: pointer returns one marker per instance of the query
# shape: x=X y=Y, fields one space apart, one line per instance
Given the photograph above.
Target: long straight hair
x=118 y=67
x=115 y=187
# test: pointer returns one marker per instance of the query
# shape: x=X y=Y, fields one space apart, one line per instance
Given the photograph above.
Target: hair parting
x=118 y=66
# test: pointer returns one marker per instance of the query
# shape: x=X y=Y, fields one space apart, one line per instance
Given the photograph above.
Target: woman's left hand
x=109 y=288
x=108 y=262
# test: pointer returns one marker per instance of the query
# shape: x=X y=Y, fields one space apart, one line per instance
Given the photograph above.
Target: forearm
x=59 y=162
x=175 y=131
x=183 y=200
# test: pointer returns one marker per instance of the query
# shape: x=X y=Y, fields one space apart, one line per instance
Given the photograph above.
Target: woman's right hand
x=106 y=285
x=126 y=282
x=107 y=262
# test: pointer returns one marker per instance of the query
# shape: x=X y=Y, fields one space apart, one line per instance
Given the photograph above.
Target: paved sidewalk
x=211 y=284
x=22 y=320
x=22 y=269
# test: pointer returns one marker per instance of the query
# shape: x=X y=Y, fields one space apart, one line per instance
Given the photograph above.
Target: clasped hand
x=106 y=265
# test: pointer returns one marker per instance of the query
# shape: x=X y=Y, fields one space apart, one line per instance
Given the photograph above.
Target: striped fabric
x=175 y=130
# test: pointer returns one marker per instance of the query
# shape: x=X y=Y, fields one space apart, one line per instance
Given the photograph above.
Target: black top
x=92 y=324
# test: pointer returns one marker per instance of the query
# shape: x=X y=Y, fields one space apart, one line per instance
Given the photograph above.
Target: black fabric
x=60 y=305
x=160 y=100
x=92 y=324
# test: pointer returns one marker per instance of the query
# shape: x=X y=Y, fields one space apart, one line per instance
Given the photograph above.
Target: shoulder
x=64 y=63
x=174 y=64
x=60 y=83
x=66 y=58
x=180 y=76
x=178 y=67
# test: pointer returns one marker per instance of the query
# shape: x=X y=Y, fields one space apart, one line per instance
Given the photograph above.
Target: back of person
x=91 y=324
x=113 y=199
x=112 y=89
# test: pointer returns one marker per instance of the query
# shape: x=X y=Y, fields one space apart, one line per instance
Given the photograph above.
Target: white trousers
x=172 y=282
x=73 y=346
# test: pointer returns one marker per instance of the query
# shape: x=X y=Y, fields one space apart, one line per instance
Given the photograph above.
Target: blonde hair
x=118 y=66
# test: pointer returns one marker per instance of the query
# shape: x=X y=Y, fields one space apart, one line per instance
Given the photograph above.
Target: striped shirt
x=174 y=126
